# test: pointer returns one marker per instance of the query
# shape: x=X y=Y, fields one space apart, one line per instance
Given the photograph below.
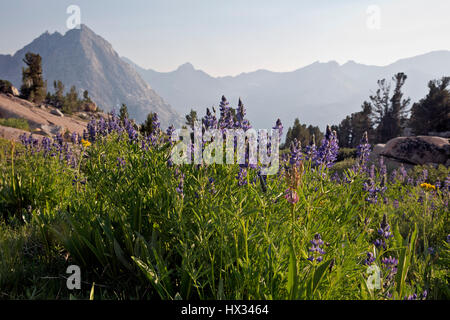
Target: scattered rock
x=83 y=115
x=377 y=149
x=14 y=91
x=90 y=107
x=7 y=88
x=418 y=150
x=56 y=112
x=50 y=130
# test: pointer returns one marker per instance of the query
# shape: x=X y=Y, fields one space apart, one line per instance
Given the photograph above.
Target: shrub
x=15 y=123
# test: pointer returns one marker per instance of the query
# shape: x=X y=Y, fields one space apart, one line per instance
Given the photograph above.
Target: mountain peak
x=186 y=67
x=86 y=60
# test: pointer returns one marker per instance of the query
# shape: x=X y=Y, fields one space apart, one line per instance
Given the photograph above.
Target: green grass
x=15 y=123
x=135 y=236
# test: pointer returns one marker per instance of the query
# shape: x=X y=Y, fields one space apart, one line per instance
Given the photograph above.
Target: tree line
x=386 y=115
x=34 y=88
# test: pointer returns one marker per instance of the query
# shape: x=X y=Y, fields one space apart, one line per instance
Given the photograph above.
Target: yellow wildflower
x=85 y=143
x=427 y=186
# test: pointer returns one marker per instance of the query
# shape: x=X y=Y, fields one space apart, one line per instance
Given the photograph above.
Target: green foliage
x=346 y=153
x=303 y=133
x=5 y=86
x=432 y=113
x=123 y=112
x=389 y=112
x=136 y=237
x=33 y=86
x=434 y=174
x=191 y=117
x=147 y=127
x=15 y=123
x=351 y=130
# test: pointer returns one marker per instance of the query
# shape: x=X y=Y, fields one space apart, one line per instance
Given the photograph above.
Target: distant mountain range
x=86 y=60
x=318 y=94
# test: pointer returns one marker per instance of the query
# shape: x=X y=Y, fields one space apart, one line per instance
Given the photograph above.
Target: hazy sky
x=229 y=37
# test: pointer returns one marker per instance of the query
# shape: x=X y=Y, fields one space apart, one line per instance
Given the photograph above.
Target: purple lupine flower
x=240 y=114
x=316 y=251
x=373 y=191
x=390 y=262
x=370 y=259
x=296 y=153
x=327 y=152
x=363 y=151
x=91 y=131
x=46 y=145
x=169 y=132
x=211 y=185
x=438 y=184
x=242 y=176
x=209 y=120
x=311 y=150
x=411 y=297
x=279 y=126
x=390 y=265
x=226 y=117
x=403 y=173
x=74 y=138
x=394 y=175
x=384 y=229
x=179 y=189
x=155 y=123
x=291 y=196
x=447 y=183
x=384 y=233
x=395 y=203
x=132 y=133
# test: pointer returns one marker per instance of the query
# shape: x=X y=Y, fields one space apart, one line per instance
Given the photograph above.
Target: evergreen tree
x=191 y=117
x=33 y=86
x=302 y=133
x=389 y=113
x=71 y=101
x=148 y=127
x=86 y=97
x=351 y=129
x=58 y=98
x=432 y=113
x=123 y=112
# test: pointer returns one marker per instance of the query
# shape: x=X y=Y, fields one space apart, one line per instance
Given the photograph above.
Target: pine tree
x=389 y=113
x=58 y=98
x=71 y=101
x=33 y=86
x=86 y=97
x=191 y=117
x=147 y=128
x=302 y=133
x=432 y=113
x=123 y=112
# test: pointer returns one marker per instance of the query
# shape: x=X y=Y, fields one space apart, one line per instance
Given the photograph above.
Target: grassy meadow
x=140 y=227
